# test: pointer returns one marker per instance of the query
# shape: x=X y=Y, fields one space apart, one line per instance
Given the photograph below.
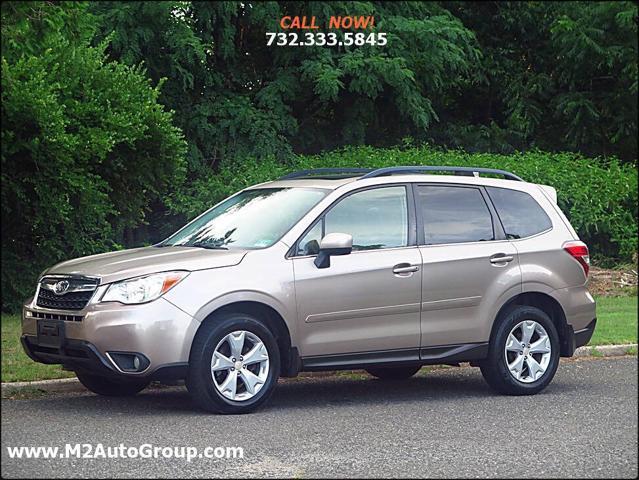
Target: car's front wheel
x=234 y=364
x=524 y=353
x=111 y=388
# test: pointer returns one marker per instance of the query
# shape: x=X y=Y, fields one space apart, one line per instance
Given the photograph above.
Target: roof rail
x=327 y=172
x=457 y=170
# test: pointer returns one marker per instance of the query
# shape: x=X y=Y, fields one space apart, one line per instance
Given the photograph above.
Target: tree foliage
x=93 y=158
x=554 y=75
x=234 y=95
x=598 y=196
x=86 y=147
x=487 y=76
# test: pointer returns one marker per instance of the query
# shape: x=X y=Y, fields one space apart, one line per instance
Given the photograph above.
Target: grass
x=616 y=321
x=616 y=324
x=16 y=366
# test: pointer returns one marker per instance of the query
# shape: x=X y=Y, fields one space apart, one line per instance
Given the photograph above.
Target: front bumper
x=78 y=355
x=159 y=331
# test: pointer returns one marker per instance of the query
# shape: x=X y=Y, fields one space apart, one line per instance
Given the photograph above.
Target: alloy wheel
x=240 y=365
x=528 y=351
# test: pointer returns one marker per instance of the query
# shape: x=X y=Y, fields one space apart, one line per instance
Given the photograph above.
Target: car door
x=367 y=302
x=468 y=265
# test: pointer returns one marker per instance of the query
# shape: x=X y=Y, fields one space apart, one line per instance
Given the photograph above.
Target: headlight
x=142 y=289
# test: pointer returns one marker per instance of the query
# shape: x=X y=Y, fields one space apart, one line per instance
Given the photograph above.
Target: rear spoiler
x=551 y=194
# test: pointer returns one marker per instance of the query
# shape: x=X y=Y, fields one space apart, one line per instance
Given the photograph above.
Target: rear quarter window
x=520 y=214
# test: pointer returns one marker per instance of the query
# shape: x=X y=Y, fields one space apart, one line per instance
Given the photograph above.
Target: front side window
x=376 y=218
x=251 y=219
x=454 y=215
x=519 y=213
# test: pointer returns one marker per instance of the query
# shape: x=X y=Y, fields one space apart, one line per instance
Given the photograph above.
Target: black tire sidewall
x=496 y=369
x=200 y=382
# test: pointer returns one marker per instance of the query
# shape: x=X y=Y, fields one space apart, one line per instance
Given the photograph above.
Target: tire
x=393 y=373
x=207 y=386
x=504 y=351
x=111 y=388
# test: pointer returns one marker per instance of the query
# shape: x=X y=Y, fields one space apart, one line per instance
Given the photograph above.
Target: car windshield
x=251 y=219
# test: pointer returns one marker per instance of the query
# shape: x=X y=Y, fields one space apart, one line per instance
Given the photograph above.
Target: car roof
x=334 y=183
x=333 y=178
x=326 y=183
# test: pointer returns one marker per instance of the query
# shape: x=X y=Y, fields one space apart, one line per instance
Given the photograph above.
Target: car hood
x=114 y=266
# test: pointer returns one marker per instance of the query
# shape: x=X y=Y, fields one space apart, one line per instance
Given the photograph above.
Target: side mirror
x=333 y=244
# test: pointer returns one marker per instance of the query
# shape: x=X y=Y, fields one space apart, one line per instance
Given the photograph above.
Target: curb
x=605 y=350
x=58 y=385
x=62 y=385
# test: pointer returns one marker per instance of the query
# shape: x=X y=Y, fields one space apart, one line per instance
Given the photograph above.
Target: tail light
x=579 y=252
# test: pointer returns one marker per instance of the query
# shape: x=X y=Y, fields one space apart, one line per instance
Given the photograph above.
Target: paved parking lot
x=444 y=423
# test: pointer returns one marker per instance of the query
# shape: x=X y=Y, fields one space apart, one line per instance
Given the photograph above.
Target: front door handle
x=501 y=258
x=405 y=268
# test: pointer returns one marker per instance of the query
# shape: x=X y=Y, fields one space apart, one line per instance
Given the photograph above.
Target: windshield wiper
x=207 y=246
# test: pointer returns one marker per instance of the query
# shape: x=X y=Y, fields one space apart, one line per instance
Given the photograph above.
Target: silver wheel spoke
x=541 y=346
x=534 y=369
x=513 y=345
x=236 y=342
x=250 y=380
x=256 y=354
x=517 y=366
x=527 y=330
x=220 y=362
x=229 y=385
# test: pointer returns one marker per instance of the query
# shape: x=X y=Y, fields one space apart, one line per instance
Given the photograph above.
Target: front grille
x=68 y=352
x=57 y=316
x=77 y=294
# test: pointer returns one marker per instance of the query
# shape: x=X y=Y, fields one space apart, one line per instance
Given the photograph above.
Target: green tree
x=554 y=75
x=234 y=96
x=86 y=147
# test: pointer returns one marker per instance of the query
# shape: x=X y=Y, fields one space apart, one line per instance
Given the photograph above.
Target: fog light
x=129 y=362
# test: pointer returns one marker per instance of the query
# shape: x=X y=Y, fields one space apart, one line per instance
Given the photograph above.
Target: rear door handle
x=501 y=258
x=405 y=268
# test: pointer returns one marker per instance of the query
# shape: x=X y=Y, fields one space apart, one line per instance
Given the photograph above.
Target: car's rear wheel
x=393 y=373
x=109 y=387
x=234 y=364
x=524 y=353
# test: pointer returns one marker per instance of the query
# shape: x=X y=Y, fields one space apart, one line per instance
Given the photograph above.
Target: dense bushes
x=599 y=196
x=86 y=147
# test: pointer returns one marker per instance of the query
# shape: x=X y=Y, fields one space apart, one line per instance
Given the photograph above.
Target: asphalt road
x=443 y=423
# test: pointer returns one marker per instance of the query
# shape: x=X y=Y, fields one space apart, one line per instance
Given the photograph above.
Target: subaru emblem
x=61 y=287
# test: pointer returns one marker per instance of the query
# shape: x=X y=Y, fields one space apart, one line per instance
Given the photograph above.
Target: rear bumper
x=575 y=339
x=580 y=312
x=583 y=336
x=79 y=355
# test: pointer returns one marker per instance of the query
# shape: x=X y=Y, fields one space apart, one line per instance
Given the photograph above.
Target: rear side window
x=520 y=214
x=454 y=214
